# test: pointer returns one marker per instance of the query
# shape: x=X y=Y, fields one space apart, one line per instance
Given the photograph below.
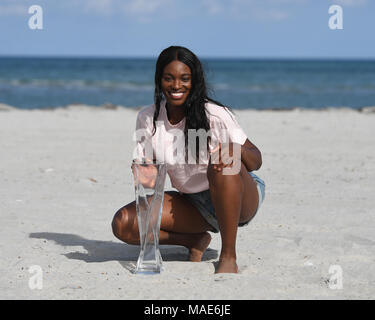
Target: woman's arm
x=251 y=156
x=223 y=156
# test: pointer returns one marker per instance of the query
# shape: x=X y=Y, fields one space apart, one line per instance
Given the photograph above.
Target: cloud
x=213 y=7
x=146 y=11
x=350 y=3
x=130 y=8
x=260 y=10
x=101 y=7
x=12 y=9
x=276 y=15
x=151 y=10
x=145 y=7
x=287 y=1
x=140 y=10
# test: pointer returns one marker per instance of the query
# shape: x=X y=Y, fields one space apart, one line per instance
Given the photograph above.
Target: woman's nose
x=176 y=84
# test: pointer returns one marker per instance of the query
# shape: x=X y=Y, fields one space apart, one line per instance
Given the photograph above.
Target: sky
x=210 y=28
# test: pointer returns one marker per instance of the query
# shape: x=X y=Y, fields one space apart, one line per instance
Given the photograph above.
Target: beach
x=66 y=171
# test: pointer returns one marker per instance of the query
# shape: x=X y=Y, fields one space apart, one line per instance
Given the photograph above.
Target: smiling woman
x=176 y=85
x=208 y=199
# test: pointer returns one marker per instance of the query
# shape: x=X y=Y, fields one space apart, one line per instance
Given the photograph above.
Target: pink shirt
x=168 y=144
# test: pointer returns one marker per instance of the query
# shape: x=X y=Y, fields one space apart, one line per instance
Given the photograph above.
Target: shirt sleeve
x=225 y=128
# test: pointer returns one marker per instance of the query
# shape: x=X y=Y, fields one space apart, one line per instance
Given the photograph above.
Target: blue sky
x=211 y=28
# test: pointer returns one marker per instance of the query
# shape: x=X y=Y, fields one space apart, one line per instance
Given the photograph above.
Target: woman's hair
x=195 y=112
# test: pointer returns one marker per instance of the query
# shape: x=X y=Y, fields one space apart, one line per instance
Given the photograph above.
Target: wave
x=110 y=106
x=75 y=83
x=220 y=86
x=295 y=88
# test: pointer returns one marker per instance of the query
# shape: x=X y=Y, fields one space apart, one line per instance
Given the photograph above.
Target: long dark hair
x=195 y=111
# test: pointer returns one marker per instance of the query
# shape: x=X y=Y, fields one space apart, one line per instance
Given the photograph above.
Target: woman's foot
x=227 y=265
x=199 y=246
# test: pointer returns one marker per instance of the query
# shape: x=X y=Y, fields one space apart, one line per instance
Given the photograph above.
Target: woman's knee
x=123 y=224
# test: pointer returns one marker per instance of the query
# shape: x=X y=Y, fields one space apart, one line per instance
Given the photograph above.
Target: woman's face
x=176 y=83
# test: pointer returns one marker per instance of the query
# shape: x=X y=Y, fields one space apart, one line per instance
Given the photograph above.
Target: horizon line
x=52 y=56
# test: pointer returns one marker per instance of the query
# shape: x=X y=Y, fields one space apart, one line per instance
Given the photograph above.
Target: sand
x=65 y=172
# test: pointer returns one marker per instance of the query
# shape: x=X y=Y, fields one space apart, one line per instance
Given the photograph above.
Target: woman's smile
x=177 y=95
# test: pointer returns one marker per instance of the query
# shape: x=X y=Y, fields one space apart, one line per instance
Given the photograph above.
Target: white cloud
x=12 y=9
x=140 y=10
x=350 y=3
x=144 y=7
x=145 y=11
x=101 y=7
x=261 y=10
x=276 y=15
x=213 y=7
x=288 y=1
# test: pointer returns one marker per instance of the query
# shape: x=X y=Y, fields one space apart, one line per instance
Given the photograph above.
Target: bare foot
x=227 y=265
x=199 y=246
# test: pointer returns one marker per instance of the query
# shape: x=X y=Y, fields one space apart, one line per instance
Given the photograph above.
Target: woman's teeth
x=177 y=95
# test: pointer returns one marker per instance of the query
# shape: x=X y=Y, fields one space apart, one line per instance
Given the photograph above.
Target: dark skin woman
x=181 y=83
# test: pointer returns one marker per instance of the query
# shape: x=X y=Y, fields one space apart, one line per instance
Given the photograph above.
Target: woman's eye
x=185 y=79
x=167 y=79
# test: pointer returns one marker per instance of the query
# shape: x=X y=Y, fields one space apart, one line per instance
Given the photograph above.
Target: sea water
x=30 y=83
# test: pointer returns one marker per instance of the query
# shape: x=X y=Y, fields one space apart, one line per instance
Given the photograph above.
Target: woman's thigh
x=178 y=215
x=250 y=196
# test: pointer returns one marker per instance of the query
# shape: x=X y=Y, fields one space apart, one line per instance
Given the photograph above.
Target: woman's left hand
x=225 y=156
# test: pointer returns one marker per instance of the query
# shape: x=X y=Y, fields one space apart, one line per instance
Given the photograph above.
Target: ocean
x=30 y=83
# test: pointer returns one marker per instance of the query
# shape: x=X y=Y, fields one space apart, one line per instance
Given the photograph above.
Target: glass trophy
x=149 y=179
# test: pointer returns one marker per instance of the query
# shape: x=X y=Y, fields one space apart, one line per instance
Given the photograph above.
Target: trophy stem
x=149 y=191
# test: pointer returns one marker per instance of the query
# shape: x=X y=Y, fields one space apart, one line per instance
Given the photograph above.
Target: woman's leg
x=181 y=224
x=235 y=199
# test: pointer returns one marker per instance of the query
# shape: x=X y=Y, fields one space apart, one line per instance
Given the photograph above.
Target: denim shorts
x=202 y=201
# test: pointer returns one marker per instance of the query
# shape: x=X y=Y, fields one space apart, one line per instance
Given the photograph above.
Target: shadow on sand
x=102 y=251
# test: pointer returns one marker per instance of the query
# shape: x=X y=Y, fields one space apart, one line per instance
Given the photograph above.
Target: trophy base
x=148 y=268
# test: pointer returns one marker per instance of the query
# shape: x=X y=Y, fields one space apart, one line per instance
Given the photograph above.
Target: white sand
x=319 y=211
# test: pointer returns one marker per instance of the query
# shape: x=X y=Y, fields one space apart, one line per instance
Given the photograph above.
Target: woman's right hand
x=146 y=174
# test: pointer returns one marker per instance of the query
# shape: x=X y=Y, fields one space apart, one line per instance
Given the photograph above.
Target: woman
x=208 y=199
